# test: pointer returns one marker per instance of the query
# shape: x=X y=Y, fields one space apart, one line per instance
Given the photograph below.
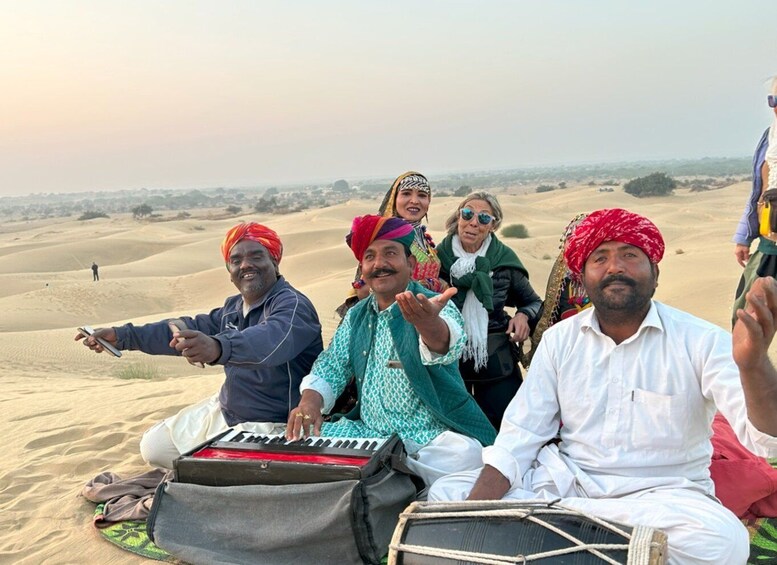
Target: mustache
x=617 y=279
x=380 y=272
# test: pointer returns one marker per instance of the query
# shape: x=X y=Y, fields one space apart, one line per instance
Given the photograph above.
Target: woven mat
x=763 y=540
x=131 y=536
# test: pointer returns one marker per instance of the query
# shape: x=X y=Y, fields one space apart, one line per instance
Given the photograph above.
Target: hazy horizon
x=107 y=96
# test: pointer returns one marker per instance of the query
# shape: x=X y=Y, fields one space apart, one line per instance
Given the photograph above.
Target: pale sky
x=107 y=95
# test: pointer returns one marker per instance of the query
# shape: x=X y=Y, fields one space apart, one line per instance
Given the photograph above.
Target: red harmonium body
x=244 y=458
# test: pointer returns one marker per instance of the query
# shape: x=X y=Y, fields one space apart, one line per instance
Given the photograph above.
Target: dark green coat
x=439 y=387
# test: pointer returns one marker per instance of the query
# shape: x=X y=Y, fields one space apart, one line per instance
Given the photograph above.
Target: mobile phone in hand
x=87 y=331
x=178 y=325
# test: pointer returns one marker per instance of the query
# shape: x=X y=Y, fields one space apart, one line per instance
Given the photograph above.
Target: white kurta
x=634 y=421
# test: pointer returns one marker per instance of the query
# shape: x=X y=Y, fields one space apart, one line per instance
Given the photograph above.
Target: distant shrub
x=141 y=211
x=515 y=230
x=546 y=257
x=679 y=252
x=233 y=209
x=183 y=215
x=545 y=188
x=92 y=214
x=137 y=371
x=340 y=185
x=463 y=190
x=656 y=184
x=198 y=228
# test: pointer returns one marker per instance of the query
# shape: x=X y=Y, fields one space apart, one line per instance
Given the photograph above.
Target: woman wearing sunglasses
x=763 y=261
x=489 y=277
x=408 y=198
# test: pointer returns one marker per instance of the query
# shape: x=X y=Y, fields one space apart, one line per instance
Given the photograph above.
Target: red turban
x=614 y=224
x=366 y=229
x=254 y=232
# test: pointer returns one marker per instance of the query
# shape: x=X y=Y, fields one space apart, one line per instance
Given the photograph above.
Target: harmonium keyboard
x=244 y=458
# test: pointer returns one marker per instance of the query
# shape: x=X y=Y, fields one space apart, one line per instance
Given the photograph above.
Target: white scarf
x=474 y=314
x=771 y=156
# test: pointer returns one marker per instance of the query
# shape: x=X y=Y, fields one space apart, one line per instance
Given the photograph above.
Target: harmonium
x=238 y=457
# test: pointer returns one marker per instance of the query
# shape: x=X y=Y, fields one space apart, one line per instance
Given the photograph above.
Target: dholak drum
x=506 y=532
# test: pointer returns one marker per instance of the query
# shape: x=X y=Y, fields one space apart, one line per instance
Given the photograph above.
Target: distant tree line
x=655 y=184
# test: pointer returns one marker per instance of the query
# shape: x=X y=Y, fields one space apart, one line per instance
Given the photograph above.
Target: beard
x=629 y=296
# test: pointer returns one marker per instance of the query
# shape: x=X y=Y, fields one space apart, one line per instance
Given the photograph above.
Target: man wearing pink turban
x=266 y=337
x=403 y=345
x=636 y=384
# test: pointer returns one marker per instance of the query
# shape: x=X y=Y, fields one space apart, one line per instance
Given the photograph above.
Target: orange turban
x=613 y=224
x=254 y=232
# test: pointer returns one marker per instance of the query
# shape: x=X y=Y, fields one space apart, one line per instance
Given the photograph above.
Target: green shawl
x=479 y=281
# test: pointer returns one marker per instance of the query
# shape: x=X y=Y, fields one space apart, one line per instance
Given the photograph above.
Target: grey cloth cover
x=125 y=499
x=337 y=522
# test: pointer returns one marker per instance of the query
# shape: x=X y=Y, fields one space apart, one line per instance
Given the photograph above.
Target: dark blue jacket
x=265 y=354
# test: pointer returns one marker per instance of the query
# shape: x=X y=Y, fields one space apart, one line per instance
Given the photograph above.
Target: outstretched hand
x=424 y=314
x=418 y=309
x=756 y=324
x=108 y=334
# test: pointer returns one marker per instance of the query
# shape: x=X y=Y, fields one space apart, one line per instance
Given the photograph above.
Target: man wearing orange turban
x=253 y=232
x=636 y=384
x=266 y=337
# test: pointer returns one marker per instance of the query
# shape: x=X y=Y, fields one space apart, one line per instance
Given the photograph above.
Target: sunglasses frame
x=471 y=213
x=772 y=101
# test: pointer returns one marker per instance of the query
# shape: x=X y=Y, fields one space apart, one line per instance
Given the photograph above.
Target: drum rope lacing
x=638 y=550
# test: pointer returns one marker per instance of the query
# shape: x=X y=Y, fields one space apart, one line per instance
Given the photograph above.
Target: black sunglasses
x=468 y=213
x=772 y=101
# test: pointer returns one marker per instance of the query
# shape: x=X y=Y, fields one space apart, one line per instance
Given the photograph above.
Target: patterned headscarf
x=255 y=232
x=410 y=179
x=613 y=224
x=366 y=229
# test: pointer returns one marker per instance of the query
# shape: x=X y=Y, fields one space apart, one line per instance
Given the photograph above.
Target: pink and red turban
x=366 y=229
x=613 y=224
x=255 y=232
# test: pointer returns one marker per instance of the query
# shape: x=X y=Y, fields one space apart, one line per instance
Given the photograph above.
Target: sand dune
x=68 y=414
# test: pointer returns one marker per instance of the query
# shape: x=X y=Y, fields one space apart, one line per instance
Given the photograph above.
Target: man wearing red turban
x=403 y=344
x=636 y=384
x=266 y=337
x=614 y=224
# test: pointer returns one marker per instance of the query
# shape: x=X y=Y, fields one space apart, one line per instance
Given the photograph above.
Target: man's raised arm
x=752 y=335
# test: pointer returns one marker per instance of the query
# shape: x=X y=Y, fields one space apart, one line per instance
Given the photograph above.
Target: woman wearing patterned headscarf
x=489 y=277
x=564 y=295
x=408 y=198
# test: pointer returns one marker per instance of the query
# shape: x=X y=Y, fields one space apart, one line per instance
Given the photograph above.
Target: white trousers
x=699 y=529
x=445 y=454
x=167 y=440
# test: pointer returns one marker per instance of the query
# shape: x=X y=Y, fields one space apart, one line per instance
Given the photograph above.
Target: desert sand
x=69 y=414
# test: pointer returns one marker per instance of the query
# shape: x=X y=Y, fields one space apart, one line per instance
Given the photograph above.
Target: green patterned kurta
x=388 y=402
